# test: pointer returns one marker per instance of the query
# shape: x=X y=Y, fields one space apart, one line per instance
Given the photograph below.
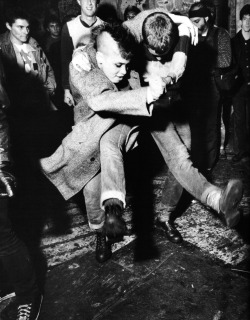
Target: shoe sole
x=232 y=198
x=7 y=296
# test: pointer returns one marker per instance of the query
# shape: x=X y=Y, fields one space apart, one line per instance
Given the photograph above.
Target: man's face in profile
x=110 y=60
x=19 y=31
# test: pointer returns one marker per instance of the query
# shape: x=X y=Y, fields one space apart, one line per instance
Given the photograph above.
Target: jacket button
x=92 y=159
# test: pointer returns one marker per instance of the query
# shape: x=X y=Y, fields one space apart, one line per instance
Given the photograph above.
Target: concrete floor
x=206 y=277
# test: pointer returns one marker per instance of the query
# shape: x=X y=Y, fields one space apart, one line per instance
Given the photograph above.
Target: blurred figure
x=52 y=25
x=130 y=12
x=241 y=104
x=208 y=59
x=13 y=253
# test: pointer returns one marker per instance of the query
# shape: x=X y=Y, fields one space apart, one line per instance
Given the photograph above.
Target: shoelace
x=24 y=312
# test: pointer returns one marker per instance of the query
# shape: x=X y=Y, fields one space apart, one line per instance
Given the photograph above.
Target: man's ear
x=99 y=59
x=206 y=19
x=8 y=25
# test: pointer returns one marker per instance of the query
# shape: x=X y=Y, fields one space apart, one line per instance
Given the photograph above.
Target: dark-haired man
x=29 y=77
x=75 y=32
x=102 y=95
x=241 y=100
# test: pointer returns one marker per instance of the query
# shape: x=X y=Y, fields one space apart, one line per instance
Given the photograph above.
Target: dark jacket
x=4 y=102
x=23 y=89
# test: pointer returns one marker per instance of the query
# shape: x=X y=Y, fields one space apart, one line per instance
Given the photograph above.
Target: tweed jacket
x=99 y=103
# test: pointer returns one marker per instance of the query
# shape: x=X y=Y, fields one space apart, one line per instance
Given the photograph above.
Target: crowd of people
x=73 y=106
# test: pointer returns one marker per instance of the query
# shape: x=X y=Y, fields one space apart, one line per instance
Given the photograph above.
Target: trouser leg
x=241 y=121
x=15 y=257
x=92 y=195
x=113 y=145
x=172 y=190
x=178 y=160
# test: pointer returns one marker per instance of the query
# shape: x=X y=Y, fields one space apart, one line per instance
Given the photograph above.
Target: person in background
x=206 y=61
x=14 y=255
x=130 y=12
x=75 y=32
x=241 y=100
x=52 y=25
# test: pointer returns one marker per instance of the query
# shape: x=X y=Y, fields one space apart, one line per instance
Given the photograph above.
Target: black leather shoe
x=169 y=229
x=114 y=225
x=229 y=202
x=103 y=248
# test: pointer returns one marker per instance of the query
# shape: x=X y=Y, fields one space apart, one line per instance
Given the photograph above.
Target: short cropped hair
x=159 y=32
x=124 y=39
x=245 y=11
x=131 y=9
x=14 y=13
x=51 y=19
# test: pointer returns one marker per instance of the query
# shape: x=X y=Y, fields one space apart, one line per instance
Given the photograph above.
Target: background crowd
x=36 y=113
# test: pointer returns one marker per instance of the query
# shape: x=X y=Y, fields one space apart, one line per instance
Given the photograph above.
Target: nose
x=123 y=70
x=26 y=31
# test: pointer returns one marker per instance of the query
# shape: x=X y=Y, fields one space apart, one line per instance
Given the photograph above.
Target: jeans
x=241 y=105
x=174 y=152
x=92 y=196
x=110 y=182
x=15 y=258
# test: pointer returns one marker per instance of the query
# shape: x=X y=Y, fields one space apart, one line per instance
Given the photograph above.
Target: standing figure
x=241 y=100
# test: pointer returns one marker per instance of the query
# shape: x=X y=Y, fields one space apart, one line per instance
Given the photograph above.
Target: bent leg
x=113 y=145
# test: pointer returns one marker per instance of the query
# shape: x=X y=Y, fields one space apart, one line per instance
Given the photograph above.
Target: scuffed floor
x=198 y=225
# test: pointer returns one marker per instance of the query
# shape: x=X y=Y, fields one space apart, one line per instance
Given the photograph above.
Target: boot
x=229 y=202
x=114 y=225
x=103 y=248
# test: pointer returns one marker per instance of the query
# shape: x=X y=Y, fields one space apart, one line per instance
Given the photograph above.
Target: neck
x=88 y=20
x=245 y=34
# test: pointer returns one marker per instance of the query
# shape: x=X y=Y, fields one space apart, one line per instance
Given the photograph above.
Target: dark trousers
x=15 y=257
x=241 y=105
x=205 y=115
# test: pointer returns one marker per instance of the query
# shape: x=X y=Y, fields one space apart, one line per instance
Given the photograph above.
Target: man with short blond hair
x=75 y=32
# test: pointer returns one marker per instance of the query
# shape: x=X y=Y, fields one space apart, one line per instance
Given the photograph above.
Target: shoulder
x=34 y=44
x=73 y=22
x=223 y=33
x=5 y=38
